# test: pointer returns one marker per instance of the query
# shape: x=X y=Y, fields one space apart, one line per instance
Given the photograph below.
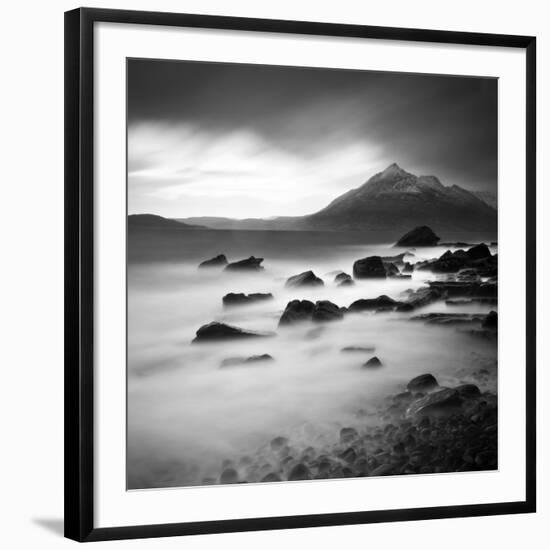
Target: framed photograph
x=300 y=274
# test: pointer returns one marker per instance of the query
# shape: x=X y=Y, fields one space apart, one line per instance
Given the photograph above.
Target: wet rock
x=249 y=264
x=391 y=269
x=220 y=331
x=419 y=236
x=349 y=455
x=238 y=299
x=491 y=321
x=424 y=382
x=229 y=475
x=368 y=268
x=383 y=470
x=271 y=477
x=297 y=311
x=469 y=301
x=368 y=304
x=373 y=362
x=449 y=318
x=468 y=390
x=307 y=278
x=455 y=289
x=277 y=443
x=341 y=277
x=421 y=297
x=348 y=434
x=217 y=261
x=300 y=472
x=346 y=282
x=478 y=252
x=362 y=349
x=449 y=262
x=440 y=402
x=235 y=361
x=407 y=267
x=325 y=310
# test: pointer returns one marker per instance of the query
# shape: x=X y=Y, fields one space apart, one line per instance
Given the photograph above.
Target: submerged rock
x=234 y=361
x=296 y=311
x=348 y=434
x=373 y=362
x=407 y=267
x=307 y=278
x=368 y=304
x=341 y=277
x=217 y=261
x=369 y=268
x=419 y=236
x=229 y=475
x=221 y=331
x=277 y=443
x=300 y=472
x=238 y=299
x=249 y=264
x=449 y=318
x=423 y=382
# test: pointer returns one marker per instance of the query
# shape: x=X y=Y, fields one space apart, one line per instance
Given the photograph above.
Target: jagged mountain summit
x=396 y=198
x=393 y=199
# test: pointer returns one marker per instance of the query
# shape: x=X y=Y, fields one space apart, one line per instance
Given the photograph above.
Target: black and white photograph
x=312 y=274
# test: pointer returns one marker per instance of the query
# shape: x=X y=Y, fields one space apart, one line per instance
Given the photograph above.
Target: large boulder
x=369 y=268
x=239 y=299
x=307 y=278
x=442 y=402
x=369 y=304
x=296 y=311
x=326 y=311
x=424 y=382
x=249 y=264
x=220 y=331
x=217 y=261
x=419 y=236
x=479 y=252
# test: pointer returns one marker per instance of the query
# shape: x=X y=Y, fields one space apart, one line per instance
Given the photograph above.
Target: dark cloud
x=429 y=124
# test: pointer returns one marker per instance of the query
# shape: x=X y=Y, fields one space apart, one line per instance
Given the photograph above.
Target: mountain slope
x=487 y=197
x=395 y=199
x=390 y=200
x=136 y=221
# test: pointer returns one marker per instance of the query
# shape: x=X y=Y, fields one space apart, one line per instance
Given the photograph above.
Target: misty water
x=186 y=414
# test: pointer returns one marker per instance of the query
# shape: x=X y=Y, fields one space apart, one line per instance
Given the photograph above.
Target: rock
x=314 y=333
x=300 y=472
x=367 y=349
x=368 y=268
x=424 y=382
x=391 y=269
x=234 y=361
x=373 y=362
x=296 y=311
x=277 y=443
x=383 y=470
x=346 y=282
x=271 y=478
x=441 y=402
x=449 y=318
x=249 y=264
x=326 y=311
x=217 y=261
x=307 y=278
x=491 y=321
x=397 y=259
x=408 y=267
x=479 y=252
x=229 y=475
x=341 y=277
x=421 y=297
x=221 y=331
x=419 y=236
x=368 y=304
x=468 y=390
x=237 y=299
x=348 y=434
x=455 y=289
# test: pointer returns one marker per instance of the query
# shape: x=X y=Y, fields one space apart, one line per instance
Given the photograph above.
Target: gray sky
x=214 y=139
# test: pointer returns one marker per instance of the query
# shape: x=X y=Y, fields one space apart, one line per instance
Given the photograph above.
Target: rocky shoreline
x=424 y=427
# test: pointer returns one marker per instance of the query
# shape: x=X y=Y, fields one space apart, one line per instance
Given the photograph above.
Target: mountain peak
x=393 y=170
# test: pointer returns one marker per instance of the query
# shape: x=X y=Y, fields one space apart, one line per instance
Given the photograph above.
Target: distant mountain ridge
x=393 y=199
x=152 y=220
x=487 y=197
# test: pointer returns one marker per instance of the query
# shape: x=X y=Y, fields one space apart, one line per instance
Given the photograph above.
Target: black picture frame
x=79 y=269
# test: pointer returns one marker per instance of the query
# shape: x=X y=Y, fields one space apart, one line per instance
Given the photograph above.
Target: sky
x=239 y=141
